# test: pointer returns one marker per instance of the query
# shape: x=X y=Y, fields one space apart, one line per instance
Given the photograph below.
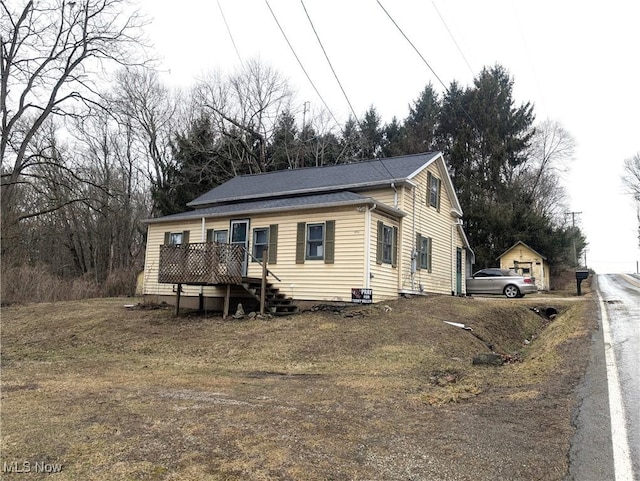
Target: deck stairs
x=278 y=304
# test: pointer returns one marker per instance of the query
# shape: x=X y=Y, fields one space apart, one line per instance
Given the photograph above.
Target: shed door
x=240 y=235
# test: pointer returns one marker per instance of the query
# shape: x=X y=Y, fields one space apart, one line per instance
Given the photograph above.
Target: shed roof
x=522 y=244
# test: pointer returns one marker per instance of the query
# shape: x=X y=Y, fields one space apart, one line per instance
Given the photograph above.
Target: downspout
x=414 y=253
x=367 y=248
x=454 y=257
x=453 y=260
x=395 y=194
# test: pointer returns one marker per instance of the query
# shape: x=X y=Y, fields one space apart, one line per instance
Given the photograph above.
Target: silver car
x=500 y=281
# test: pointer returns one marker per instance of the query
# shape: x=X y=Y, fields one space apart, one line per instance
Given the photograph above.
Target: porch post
x=263 y=286
x=227 y=300
x=178 y=299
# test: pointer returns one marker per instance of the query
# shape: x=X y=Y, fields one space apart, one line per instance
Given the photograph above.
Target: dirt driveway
x=369 y=393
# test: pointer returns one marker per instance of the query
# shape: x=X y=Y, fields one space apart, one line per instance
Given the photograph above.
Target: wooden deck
x=215 y=264
x=201 y=263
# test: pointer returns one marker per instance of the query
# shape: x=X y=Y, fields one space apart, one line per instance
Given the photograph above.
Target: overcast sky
x=578 y=62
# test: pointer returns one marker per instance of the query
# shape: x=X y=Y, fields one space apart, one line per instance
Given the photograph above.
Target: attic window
x=433 y=191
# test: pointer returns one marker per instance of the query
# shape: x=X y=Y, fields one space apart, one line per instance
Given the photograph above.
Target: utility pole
x=305 y=106
x=573 y=223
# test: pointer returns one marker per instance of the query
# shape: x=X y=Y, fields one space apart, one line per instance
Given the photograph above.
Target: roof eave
x=196 y=215
x=341 y=188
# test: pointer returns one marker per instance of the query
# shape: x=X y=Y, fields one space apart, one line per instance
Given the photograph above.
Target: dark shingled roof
x=333 y=199
x=358 y=175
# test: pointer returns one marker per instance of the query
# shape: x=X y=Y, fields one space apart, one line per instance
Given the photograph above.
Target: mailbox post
x=581 y=276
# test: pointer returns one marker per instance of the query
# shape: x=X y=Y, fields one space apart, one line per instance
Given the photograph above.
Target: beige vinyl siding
x=155 y=238
x=385 y=276
x=315 y=279
x=437 y=224
x=385 y=196
x=312 y=280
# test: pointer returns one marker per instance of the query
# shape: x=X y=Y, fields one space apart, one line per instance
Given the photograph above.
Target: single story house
x=528 y=262
x=358 y=232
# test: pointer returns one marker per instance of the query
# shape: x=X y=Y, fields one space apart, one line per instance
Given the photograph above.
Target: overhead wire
x=326 y=56
x=302 y=66
x=424 y=60
x=229 y=32
x=329 y=62
x=453 y=38
x=526 y=49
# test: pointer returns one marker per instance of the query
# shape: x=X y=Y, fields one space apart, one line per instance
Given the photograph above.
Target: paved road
x=606 y=445
x=620 y=295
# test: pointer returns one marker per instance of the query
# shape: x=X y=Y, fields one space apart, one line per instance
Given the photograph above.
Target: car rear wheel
x=512 y=291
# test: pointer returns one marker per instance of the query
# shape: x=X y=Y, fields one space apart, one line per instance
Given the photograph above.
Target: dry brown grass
x=25 y=284
x=116 y=393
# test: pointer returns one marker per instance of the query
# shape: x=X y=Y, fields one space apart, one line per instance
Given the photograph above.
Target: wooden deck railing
x=203 y=263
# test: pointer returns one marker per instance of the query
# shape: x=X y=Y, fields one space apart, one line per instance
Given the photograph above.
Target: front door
x=240 y=235
x=458 y=271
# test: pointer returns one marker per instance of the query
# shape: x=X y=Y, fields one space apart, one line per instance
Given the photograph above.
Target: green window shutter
x=439 y=182
x=429 y=188
x=429 y=256
x=300 y=243
x=418 y=251
x=380 y=248
x=329 y=241
x=273 y=243
x=185 y=237
x=167 y=238
x=209 y=235
x=394 y=248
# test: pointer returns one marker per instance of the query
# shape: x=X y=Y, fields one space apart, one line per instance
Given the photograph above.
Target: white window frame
x=316 y=242
x=257 y=253
x=387 y=244
x=434 y=191
x=175 y=238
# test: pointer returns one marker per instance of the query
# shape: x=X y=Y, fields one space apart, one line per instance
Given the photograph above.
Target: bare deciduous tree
x=151 y=110
x=631 y=178
x=246 y=107
x=52 y=54
x=552 y=149
x=631 y=181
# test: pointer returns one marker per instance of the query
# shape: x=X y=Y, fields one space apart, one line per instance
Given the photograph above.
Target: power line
x=453 y=38
x=355 y=116
x=526 y=49
x=302 y=66
x=412 y=45
x=229 y=31
x=330 y=65
x=424 y=60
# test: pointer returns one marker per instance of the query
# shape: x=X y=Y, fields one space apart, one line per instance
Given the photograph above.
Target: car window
x=488 y=273
x=494 y=273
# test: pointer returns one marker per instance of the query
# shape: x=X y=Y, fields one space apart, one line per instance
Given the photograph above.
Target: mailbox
x=581 y=276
